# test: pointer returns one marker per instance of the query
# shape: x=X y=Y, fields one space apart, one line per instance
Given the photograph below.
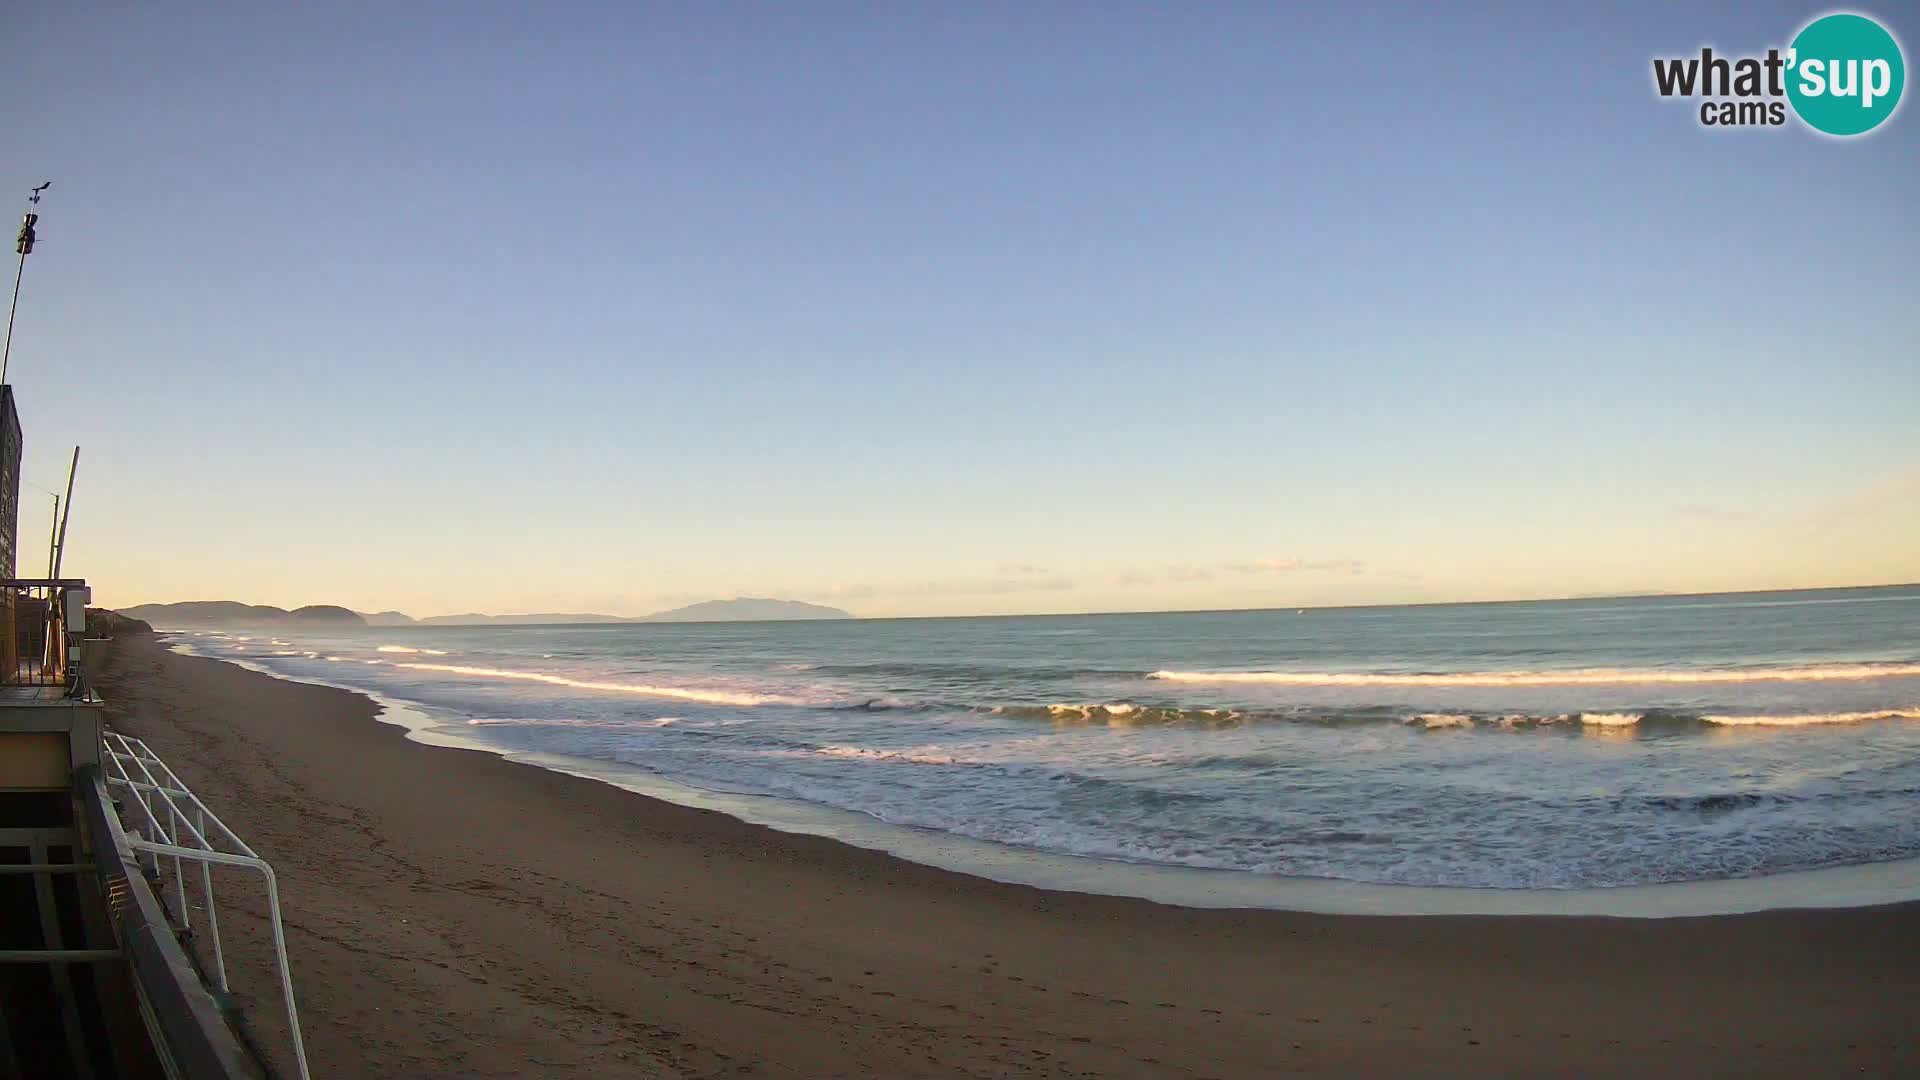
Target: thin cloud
x=1708 y=512
x=1899 y=489
x=997 y=586
x=1294 y=565
x=1274 y=565
x=1265 y=566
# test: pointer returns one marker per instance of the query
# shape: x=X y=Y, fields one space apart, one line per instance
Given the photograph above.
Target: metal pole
x=213 y=917
x=7 y=358
x=26 y=246
x=53 y=534
x=60 y=548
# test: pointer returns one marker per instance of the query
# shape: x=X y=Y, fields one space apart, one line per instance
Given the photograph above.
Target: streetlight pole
x=24 y=245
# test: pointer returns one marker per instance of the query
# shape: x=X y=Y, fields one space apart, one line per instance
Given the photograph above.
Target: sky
x=926 y=309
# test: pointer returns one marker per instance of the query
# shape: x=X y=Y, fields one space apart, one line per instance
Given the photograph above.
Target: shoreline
x=1852 y=885
x=466 y=914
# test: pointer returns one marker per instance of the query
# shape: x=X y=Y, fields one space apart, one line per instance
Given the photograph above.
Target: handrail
x=185 y=838
x=190 y=1037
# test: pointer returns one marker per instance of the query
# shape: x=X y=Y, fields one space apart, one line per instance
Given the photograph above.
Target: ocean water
x=1553 y=745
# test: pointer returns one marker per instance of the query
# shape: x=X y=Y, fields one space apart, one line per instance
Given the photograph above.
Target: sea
x=1563 y=745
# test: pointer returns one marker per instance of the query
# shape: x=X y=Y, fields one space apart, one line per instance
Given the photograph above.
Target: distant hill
x=543 y=619
x=471 y=618
x=747 y=609
x=221 y=613
x=744 y=609
x=230 y=613
x=327 y=613
x=206 y=613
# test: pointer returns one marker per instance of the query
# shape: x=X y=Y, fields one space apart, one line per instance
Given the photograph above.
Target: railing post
x=213 y=917
x=179 y=875
x=286 y=971
x=187 y=838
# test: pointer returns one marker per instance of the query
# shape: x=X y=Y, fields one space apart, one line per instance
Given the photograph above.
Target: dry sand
x=455 y=914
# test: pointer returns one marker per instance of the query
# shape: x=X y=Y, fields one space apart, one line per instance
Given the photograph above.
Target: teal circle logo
x=1845 y=74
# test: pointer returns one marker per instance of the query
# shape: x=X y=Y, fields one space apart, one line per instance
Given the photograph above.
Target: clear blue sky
x=950 y=308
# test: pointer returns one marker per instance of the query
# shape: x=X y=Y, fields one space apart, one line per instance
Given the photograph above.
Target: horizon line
x=1087 y=614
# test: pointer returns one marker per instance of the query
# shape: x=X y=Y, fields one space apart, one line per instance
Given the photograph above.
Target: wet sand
x=453 y=914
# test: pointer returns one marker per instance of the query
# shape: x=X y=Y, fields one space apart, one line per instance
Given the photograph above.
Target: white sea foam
x=1122 y=713
x=1088 y=712
x=886 y=701
x=861 y=753
x=663 y=721
x=405 y=649
x=1433 y=721
x=1582 y=677
x=1806 y=719
x=1609 y=719
x=680 y=693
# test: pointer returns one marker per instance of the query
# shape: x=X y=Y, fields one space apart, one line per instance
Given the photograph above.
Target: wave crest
x=1814 y=719
x=1125 y=714
x=1580 y=677
x=677 y=693
x=1120 y=714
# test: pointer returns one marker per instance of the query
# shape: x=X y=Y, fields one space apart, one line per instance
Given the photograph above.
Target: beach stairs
x=99 y=977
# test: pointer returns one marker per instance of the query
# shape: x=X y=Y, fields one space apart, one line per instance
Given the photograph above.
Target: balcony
x=41 y=648
x=100 y=976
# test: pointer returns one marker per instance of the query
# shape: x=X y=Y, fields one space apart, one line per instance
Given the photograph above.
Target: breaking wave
x=1120 y=714
x=1123 y=714
x=564 y=722
x=1580 y=677
x=1810 y=719
x=677 y=693
x=911 y=757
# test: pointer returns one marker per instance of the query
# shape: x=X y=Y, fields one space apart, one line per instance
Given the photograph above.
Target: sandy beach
x=452 y=914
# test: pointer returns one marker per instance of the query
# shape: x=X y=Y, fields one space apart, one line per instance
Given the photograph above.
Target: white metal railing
x=176 y=825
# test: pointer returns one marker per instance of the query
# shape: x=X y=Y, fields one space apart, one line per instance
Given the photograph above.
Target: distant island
x=537 y=619
x=220 y=613
x=746 y=609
